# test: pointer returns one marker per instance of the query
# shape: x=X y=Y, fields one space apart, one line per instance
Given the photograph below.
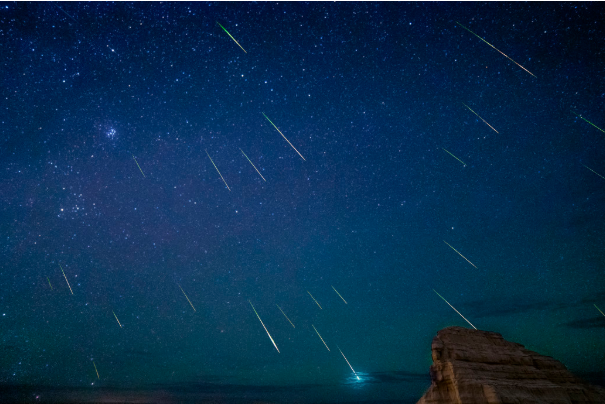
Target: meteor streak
x=51 y=286
x=594 y=172
x=454 y=309
x=584 y=119
x=98 y=377
x=219 y=173
x=282 y=312
x=314 y=299
x=187 y=298
x=231 y=36
x=135 y=160
x=72 y=292
x=463 y=163
x=261 y=321
x=343 y=355
x=502 y=53
x=599 y=309
x=114 y=314
x=322 y=340
x=283 y=136
x=343 y=299
x=253 y=166
x=460 y=254
x=484 y=121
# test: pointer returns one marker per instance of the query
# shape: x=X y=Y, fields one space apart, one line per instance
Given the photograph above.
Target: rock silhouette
x=471 y=366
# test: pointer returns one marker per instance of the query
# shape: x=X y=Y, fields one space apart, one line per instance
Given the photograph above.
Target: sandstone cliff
x=471 y=366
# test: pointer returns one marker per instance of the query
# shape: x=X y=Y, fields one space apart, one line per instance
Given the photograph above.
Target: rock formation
x=471 y=366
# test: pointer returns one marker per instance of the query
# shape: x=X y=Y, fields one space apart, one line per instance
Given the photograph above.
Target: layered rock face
x=481 y=367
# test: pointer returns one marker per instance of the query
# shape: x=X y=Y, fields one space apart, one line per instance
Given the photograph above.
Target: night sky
x=111 y=112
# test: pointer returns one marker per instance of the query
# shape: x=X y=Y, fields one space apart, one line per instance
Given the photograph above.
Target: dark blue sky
x=375 y=97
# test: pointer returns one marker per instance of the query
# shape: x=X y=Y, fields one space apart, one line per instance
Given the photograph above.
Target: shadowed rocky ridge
x=471 y=366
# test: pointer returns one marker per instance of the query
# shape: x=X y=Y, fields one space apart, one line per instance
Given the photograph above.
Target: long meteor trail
x=135 y=160
x=98 y=377
x=314 y=299
x=502 y=53
x=261 y=321
x=253 y=166
x=219 y=173
x=343 y=355
x=343 y=299
x=219 y=24
x=586 y=120
x=72 y=292
x=460 y=254
x=282 y=312
x=322 y=340
x=484 y=121
x=283 y=136
x=599 y=310
x=187 y=297
x=454 y=309
x=463 y=163
x=51 y=286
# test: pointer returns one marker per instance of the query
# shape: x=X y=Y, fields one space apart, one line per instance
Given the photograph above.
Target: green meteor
x=454 y=309
x=261 y=321
x=219 y=173
x=282 y=312
x=135 y=160
x=283 y=136
x=51 y=286
x=599 y=310
x=187 y=297
x=343 y=299
x=584 y=119
x=594 y=172
x=484 y=121
x=502 y=53
x=219 y=24
x=72 y=292
x=322 y=340
x=460 y=254
x=463 y=163
x=253 y=165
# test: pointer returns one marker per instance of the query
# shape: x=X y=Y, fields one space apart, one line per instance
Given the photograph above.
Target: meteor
x=460 y=254
x=322 y=340
x=343 y=355
x=114 y=314
x=584 y=119
x=484 y=121
x=135 y=160
x=72 y=292
x=51 y=286
x=314 y=299
x=231 y=36
x=253 y=166
x=454 y=309
x=219 y=173
x=594 y=172
x=502 y=53
x=187 y=298
x=599 y=309
x=98 y=377
x=343 y=299
x=463 y=163
x=283 y=136
x=282 y=312
x=261 y=321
